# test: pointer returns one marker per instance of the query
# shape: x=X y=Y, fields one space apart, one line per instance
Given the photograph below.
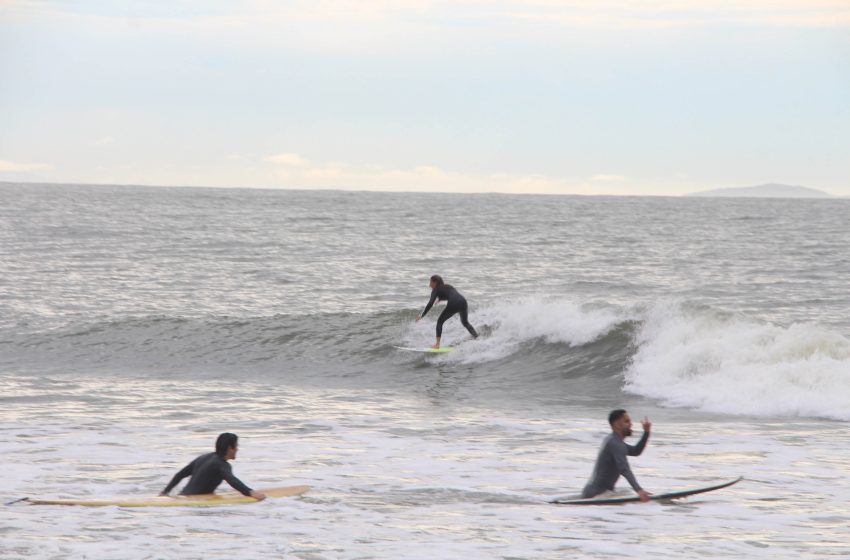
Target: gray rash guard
x=612 y=463
x=207 y=473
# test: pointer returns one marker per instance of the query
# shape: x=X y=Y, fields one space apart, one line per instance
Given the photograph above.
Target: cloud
x=431 y=178
x=17 y=167
x=607 y=178
x=288 y=159
x=296 y=172
x=371 y=24
x=570 y=13
x=682 y=13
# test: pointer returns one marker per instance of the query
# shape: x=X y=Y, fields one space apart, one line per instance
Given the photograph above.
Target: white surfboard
x=443 y=350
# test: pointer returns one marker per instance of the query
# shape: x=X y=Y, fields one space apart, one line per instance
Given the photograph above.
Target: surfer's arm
x=430 y=303
x=619 y=454
x=238 y=485
x=635 y=450
x=183 y=473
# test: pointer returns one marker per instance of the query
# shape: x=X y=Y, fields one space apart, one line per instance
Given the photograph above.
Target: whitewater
x=137 y=323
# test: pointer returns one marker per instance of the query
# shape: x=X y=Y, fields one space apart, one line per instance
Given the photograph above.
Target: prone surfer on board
x=612 y=461
x=210 y=469
x=455 y=303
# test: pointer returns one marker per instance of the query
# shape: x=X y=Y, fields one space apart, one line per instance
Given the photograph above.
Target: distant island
x=770 y=190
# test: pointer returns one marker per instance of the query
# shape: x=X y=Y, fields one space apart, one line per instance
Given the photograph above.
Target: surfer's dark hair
x=224 y=442
x=438 y=280
x=615 y=415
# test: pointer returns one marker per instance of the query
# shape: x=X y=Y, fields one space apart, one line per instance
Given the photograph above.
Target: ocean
x=137 y=323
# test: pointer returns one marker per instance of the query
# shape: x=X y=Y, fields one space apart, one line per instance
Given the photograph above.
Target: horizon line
x=829 y=196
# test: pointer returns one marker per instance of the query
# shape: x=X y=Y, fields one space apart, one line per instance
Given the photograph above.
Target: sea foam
x=735 y=365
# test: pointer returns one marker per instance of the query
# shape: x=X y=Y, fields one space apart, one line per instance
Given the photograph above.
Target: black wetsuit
x=612 y=463
x=455 y=303
x=207 y=473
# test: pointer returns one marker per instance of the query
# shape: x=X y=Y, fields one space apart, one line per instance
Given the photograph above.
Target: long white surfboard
x=602 y=501
x=443 y=350
x=200 y=500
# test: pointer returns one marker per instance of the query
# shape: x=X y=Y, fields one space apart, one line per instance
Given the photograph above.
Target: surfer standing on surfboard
x=612 y=461
x=210 y=469
x=455 y=303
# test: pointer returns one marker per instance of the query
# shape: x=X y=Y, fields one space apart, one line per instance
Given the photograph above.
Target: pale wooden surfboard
x=200 y=500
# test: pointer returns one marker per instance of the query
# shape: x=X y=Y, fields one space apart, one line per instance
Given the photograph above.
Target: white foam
x=513 y=324
x=725 y=364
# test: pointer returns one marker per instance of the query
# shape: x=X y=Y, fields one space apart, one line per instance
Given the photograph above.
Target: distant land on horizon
x=768 y=190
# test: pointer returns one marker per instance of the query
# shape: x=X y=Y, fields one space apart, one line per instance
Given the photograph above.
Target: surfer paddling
x=455 y=303
x=210 y=469
x=612 y=461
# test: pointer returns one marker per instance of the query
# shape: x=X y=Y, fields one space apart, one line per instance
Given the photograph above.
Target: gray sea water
x=137 y=323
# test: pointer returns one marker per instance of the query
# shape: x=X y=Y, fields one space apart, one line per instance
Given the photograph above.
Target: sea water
x=138 y=323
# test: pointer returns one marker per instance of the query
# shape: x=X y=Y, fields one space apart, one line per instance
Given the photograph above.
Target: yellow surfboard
x=200 y=500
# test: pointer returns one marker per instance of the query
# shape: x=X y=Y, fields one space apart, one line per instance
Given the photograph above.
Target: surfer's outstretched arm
x=430 y=304
x=227 y=474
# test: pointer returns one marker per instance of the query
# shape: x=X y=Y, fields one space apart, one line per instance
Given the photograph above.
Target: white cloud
x=17 y=167
x=572 y=13
x=297 y=172
x=288 y=159
x=682 y=13
x=371 y=24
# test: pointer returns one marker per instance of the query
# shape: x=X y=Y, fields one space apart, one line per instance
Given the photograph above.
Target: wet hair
x=615 y=415
x=438 y=280
x=224 y=442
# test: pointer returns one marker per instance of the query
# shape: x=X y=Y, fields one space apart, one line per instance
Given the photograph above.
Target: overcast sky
x=577 y=96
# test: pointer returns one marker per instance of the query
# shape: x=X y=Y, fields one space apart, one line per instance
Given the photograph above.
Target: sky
x=654 y=97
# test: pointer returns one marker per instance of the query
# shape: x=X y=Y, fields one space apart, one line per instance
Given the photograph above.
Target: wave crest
x=733 y=365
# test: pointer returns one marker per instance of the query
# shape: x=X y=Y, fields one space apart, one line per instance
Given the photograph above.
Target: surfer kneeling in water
x=210 y=469
x=455 y=303
x=612 y=461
